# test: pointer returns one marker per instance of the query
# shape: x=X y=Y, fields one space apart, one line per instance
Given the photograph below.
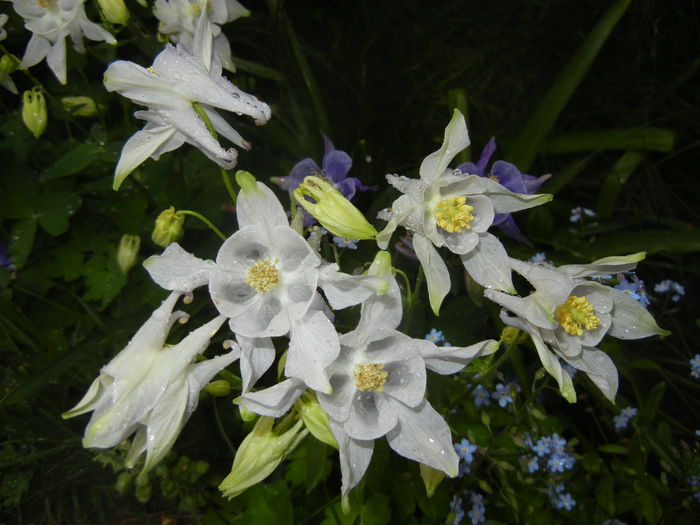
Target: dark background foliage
x=380 y=78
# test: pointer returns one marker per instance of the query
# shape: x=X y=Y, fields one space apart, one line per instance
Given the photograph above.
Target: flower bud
x=8 y=64
x=431 y=478
x=332 y=209
x=114 y=11
x=218 y=388
x=168 y=228
x=79 y=106
x=259 y=455
x=315 y=419
x=128 y=252
x=34 y=111
x=509 y=335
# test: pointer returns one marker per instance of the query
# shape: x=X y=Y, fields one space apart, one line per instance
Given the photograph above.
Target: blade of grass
x=646 y=139
x=552 y=103
x=621 y=171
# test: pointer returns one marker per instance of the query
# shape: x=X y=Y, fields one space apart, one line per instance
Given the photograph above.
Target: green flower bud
x=431 y=478
x=128 y=252
x=332 y=209
x=509 y=335
x=218 y=388
x=114 y=11
x=8 y=64
x=315 y=419
x=169 y=227
x=259 y=454
x=34 y=111
x=80 y=106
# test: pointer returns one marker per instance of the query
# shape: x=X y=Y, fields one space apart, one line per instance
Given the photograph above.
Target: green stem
x=409 y=293
x=207 y=122
x=204 y=220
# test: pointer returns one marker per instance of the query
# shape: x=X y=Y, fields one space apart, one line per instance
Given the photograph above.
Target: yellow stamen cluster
x=454 y=214
x=263 y=276
x=46 y=4
x=576 y=315
x=370 y=376
x=494 y=178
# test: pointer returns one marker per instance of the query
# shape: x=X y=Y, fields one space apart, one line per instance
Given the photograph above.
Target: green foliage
x=381 y=82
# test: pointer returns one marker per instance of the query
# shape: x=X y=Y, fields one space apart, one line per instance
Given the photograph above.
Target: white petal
x=313 y=346
x=456 y=139
x=337 y=404
x=164 y=423
x=138 y=148
x=552 y=366
x=488 y=264
x=257 y=356
x=437 y=277
x=176 y=269
x=355 y=456
x=202 y=41
x=37 y=49
x=56 y=59
x=380 y=311
x=423 y=435
x=199 y=374
x=600 y=368
x=371 y=416
x=95 y=395
x=604 y=266
x=630 y=320
x=400 y=209
x=526 y=308
x=224 y=128
x=448 y=360
x=274 y=401
x=506 y=201
x=260 y=207
x=544 y=276
x=343 y=290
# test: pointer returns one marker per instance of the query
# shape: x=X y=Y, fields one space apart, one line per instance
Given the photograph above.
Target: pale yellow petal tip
x=246 y=180
x=569 y=395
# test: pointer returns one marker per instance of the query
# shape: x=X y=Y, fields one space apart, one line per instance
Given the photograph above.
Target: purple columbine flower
x=335 y=167
x=508 y=176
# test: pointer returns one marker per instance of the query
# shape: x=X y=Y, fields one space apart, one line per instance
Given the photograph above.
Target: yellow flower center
x=370 y=376
x=494 y=178
x=263 y=276
x=576 y=315
x=454 y=214
x=46 y=4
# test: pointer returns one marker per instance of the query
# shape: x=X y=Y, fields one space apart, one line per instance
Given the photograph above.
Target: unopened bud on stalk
x=79 y=106
x=315 y=419
x=330 y=207
x=168 y=228
x=128 y=252
x=34 y=111
x=8 y=64
x=218 y=388
x=114 y=11
x=260 y=453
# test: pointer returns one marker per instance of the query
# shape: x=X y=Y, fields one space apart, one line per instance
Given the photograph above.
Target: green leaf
x=375 y=510
x=612 y=448
x=54 y=209
x=268 y=504
x=103 y=278
x=644 y=139
x=651 y=241
x=18 y=196
x=552 y=103
x=22 y=240
x=621 y=171
x=605 y=494
x=73 y=162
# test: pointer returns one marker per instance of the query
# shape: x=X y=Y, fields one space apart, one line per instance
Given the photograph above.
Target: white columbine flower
x=447 y=208
x=178 y=20
x=567 y=316
x=5 y=79
x=265 y=279
x=378 y=382
x=150 y=388
x=51 y=21
x=170 y=89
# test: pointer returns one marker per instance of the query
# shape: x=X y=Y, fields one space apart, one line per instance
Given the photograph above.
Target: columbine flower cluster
x=550 y=453
x=623 y=418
